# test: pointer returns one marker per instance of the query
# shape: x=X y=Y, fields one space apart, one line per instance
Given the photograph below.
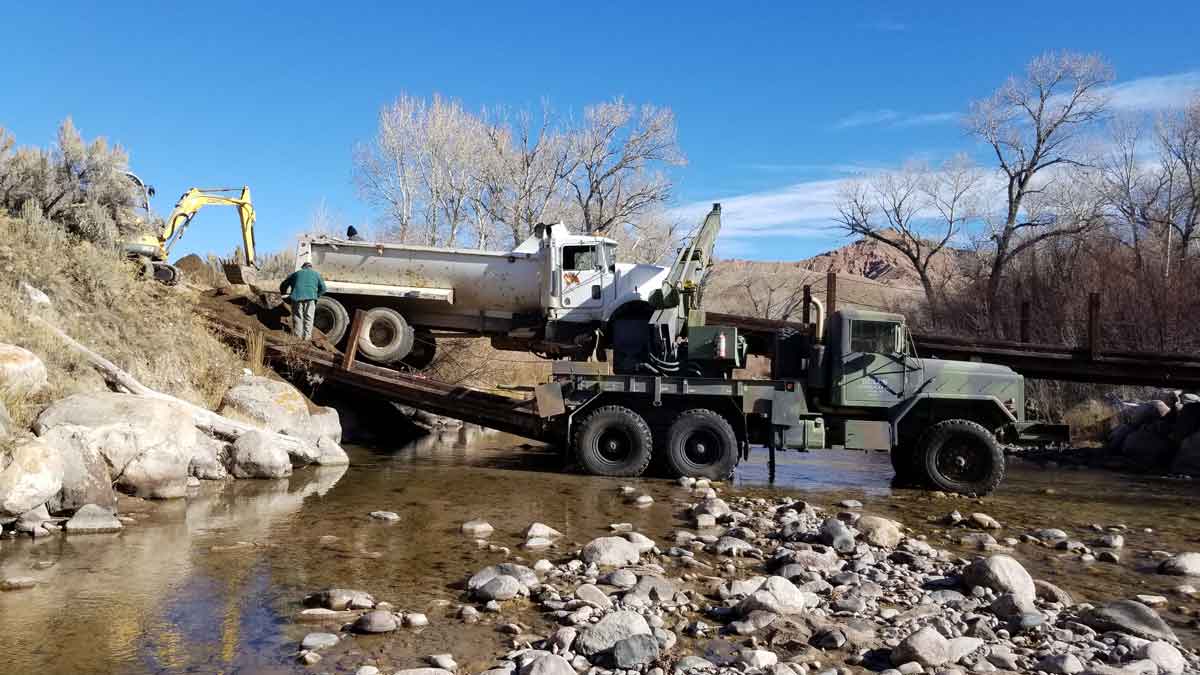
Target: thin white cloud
x=891 y=118
x=929 y=118
x=1155 y=93
x=804 y=209
x=865 y=118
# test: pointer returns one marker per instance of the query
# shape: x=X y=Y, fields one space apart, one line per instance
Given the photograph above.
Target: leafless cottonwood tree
x=1031 y=124
x=441 y=175
x=916 y=211
x=615 y=153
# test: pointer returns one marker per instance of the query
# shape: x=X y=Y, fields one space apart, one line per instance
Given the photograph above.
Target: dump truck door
x=583 y=278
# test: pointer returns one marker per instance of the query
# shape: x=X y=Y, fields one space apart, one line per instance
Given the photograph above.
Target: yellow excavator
x=154 y=249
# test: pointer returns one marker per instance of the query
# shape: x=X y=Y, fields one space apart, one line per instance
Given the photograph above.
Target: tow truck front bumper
x=1038 y=433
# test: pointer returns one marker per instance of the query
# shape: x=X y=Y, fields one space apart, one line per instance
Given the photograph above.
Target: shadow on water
x=212 y=583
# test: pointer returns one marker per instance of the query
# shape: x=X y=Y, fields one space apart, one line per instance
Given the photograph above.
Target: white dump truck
x=555 y=295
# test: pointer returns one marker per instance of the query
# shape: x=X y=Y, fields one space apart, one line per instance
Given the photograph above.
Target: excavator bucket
x=240 y=274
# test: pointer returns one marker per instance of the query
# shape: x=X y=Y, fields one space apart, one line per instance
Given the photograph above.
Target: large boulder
x=277 y=406
x=21 y=371
x=880 y=531
x=925 y=646
x=1146 y=445
x=1187 y=421
x=210 y=459
x=260 y=455
x=1128 y=616
x=86 y=478
x=1184 y=564
x=611 y=552
x=603 y=636
x=6 y=422
x=1187 y=459
x=147 y=443
x=30 y=474
x=776 y=595
x=1002 y=574
x=93 y=519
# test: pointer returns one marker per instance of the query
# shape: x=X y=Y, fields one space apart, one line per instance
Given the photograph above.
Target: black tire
x=386 y=336
x=331 y=318
x=960 y=456
x=423 y=350
x=701 y=444
x=614 y=441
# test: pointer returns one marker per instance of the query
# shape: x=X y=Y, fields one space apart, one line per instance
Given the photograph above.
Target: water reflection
x=211 y=584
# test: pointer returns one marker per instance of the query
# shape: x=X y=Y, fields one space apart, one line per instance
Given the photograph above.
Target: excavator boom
x=195 y=199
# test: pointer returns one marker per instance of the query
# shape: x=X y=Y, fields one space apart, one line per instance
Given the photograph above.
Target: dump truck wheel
x=701 y=444
x=614 y=441
x=423 y=350
x=386 y=336
x=331 y=318
x=960 y=456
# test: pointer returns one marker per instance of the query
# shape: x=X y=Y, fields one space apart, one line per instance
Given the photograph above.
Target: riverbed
x=214 y=583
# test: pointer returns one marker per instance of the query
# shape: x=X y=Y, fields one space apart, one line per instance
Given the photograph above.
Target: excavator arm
x=195 y=199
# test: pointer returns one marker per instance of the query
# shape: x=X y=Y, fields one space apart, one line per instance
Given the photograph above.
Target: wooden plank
x=351 y=352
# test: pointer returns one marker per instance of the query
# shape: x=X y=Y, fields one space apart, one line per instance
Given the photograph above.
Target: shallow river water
x=213 y=583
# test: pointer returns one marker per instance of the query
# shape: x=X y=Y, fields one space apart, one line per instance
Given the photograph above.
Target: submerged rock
x=340 y=599
x=93 y=519
x=377 y=621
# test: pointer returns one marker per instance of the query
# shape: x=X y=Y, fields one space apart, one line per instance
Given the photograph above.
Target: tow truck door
x=874 y=370
x=583 y=280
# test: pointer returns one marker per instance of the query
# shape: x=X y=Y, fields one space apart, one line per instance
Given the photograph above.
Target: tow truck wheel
x=701 y=444
x=960 y=456
x=331 y=318
x=614 y=441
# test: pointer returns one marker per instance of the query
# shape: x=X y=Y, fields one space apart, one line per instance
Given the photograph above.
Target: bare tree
x=618 y=153
x=441 y=175
x=1179 y=140
x=1031 y=124
x=915 y=211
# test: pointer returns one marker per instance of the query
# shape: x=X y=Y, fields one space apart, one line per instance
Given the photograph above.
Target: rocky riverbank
x=778 y=586
x=63 y=475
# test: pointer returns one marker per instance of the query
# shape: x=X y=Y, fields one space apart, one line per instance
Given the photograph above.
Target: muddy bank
x=216 y=582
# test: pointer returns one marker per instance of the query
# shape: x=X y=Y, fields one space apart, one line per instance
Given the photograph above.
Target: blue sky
x=775 y=101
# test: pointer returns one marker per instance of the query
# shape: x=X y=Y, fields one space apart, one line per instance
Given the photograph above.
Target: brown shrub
x=143 y=327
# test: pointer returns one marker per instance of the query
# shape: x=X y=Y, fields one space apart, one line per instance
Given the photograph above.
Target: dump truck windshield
x=579 y=258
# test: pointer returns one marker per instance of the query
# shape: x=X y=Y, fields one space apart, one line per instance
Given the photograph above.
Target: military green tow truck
x=851 y=379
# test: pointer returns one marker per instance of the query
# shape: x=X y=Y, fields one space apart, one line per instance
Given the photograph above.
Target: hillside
x=870 y=275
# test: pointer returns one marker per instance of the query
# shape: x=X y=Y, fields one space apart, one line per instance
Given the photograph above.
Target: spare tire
x=331 y=318
x=386 y=337
x=614 y=441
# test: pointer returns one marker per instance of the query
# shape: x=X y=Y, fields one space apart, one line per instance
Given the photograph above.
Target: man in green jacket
x=303 y=286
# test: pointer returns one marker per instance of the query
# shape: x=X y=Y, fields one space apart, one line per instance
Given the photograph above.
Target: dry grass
x=148 y=329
